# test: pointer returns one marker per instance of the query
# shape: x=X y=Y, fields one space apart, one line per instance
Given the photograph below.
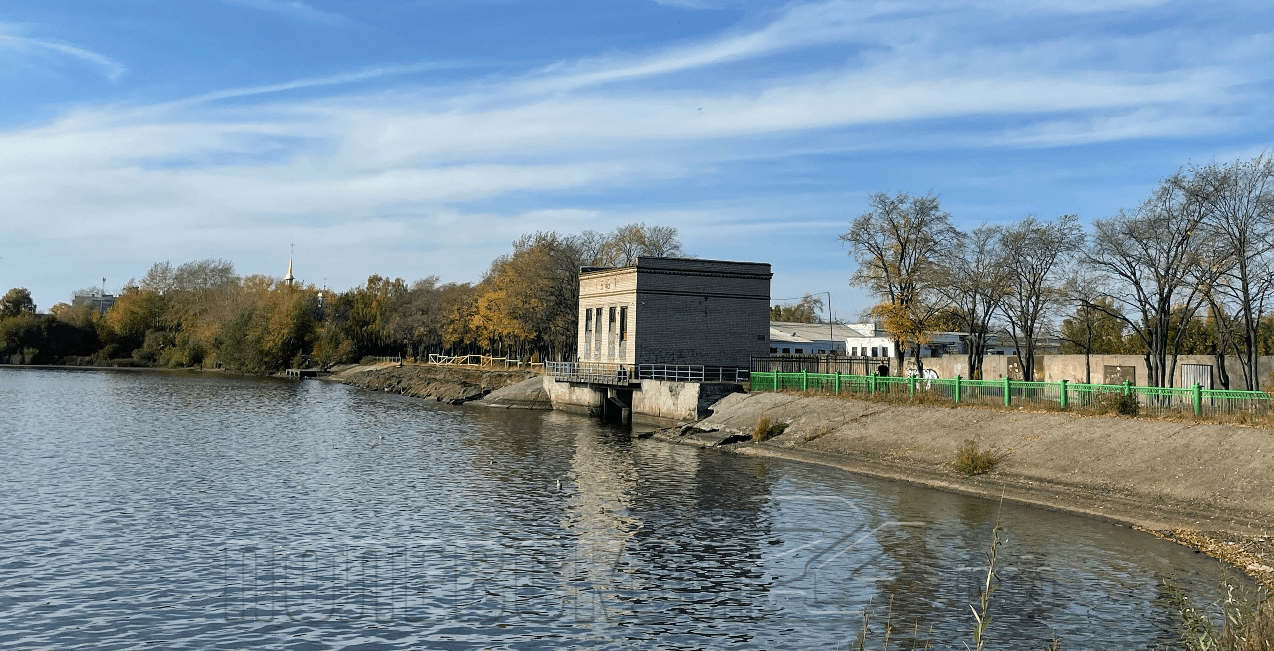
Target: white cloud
x=27 y=45
x=440 y=166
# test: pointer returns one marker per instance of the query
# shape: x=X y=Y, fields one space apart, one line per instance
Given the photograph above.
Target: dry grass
x=971 y=460
x=767 y=429
x=1248 y=622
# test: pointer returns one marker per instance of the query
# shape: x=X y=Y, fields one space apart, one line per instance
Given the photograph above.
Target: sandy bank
x=453 y=384
x=1201 y=484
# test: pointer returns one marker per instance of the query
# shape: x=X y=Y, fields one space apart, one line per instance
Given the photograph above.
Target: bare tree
x=622 y=247
x=976 y=283
x=897 y=245
x=1036 y=257
x=1243 y=220
x=1090 y=328
x=1151 y=264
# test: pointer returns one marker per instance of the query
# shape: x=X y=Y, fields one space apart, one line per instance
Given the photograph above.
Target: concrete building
x=675 y=311
x=791 y=338
x=100 y=301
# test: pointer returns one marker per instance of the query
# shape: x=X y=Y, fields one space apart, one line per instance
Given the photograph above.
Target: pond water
x=202 y=511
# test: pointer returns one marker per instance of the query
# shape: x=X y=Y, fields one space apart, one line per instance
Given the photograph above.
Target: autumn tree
x=804 y=311
x=898 y=245
x=529 y=299
x=16 y=301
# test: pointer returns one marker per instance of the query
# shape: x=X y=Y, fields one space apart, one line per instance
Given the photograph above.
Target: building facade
x=676 y=311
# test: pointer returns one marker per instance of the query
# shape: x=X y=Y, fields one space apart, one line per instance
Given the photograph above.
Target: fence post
x=912 y=381
x=805 y=380
x=957 y=389
x=871 y=383
x=1198 y=399
x=1127 y=387
x=1008 y=396
x=1061 y=395
x=836 y=383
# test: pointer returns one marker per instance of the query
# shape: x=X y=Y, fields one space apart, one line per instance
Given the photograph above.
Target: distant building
x=677 y=311
x=100 y=301
x=869 y=338
x=791 y=338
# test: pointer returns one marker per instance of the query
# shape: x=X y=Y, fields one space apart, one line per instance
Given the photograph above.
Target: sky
x=414 y=138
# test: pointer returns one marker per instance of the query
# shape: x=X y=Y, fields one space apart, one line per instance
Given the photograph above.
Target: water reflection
x=213 y=512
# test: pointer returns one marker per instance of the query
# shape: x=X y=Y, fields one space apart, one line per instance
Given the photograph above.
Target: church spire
x=289 y=278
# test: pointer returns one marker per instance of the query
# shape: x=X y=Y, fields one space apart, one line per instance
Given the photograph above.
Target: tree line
x=1188 y=271
x=204 y=314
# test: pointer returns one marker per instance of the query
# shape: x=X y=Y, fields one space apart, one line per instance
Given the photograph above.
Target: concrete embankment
x=1206 y=485
x=453 y=384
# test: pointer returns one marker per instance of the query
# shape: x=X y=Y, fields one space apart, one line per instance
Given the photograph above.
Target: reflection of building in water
x=598 y=515
x=667 y=533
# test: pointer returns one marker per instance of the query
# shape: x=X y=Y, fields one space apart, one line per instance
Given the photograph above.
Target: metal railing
x=1153 y=400
x=818 y=364
x=620 y=374
x=476 y=360
x=589 y=372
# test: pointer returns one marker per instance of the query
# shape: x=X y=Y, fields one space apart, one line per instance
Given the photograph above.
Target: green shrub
x=766 y=429
x=971 y=460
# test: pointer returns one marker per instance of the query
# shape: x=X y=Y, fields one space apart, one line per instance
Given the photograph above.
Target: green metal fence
x=1153 y=400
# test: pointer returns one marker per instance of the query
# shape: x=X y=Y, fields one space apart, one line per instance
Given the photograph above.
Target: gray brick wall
x=680 y=311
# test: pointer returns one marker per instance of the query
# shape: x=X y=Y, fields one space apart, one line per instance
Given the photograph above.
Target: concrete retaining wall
x=650 y=400
x=578 y=398
x=1053 y=368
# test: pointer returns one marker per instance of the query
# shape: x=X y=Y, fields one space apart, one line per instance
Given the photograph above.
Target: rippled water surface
x=188 y=511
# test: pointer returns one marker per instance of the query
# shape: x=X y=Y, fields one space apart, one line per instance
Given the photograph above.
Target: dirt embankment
x=1208 y=486
x=453 y=384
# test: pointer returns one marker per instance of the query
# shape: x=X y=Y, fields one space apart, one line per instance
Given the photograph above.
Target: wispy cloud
x=293 y=8
x=326 y=81
x=489 y=155
x=28 y=45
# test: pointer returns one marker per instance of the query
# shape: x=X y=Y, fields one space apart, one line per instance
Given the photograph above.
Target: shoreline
x=1060 y=463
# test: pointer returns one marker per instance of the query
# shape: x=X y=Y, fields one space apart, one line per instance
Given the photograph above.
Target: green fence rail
x=1155 y=400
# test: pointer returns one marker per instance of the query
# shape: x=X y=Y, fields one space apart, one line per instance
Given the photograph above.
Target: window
x=874 y=350
x=800 y=350
x=611 y=322
x=623 y=323
x=588 y=320
x=774 y=350
x=597 y=327
x=855 y=353
x=787 y=350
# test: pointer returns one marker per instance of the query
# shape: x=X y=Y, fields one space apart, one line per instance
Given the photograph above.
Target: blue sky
x=420 y=137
